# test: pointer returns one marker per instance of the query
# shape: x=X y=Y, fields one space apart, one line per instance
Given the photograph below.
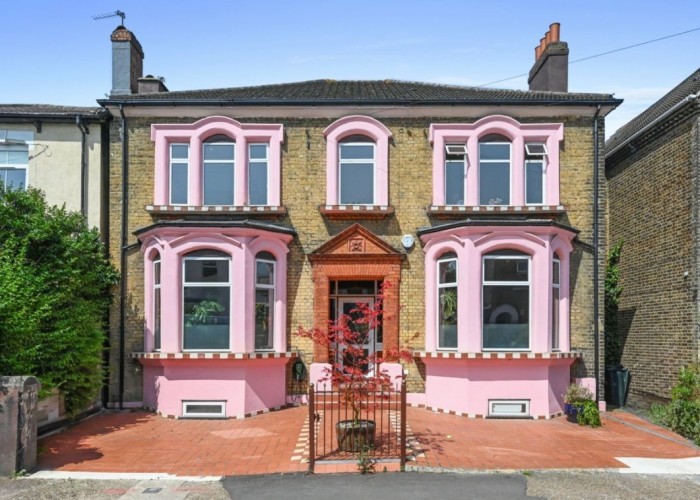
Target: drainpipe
x=83 y=164
x=596 y=208
x=122 y=296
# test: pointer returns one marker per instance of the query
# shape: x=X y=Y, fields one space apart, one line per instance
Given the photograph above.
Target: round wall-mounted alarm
x=407 y=241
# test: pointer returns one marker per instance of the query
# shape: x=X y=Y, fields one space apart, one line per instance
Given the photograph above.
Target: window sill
x=496 y=355
x=446 y=211
x=211 y=355
x=266 y=210
x=356 y=212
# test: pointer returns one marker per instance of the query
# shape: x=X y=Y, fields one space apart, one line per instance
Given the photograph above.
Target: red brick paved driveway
x=136 y=441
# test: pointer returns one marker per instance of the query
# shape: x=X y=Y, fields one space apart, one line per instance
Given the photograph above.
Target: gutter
x=656 y=120
x=84 y=130
x=596 y=229
x=122 y=262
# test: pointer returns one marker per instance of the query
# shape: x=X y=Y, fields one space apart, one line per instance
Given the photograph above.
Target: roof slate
x=690 y=85
x=362 y=92
x=47 y=110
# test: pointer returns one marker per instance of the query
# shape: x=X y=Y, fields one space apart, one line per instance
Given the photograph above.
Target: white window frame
x=510 y=171
x=556 y=284
x=542 y=157
x=15 y=146
x=271 y=287
x=233 y=161
x=252 y=161
x=524 y=402
x=437 y=299
x=217 y=284
x=187 y=403
x=463 y=153
x=157 y=290
x=171 y=163
x=341 y=162
x=485 y=283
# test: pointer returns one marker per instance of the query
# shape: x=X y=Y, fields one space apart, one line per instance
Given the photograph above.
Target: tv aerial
x=116 y=13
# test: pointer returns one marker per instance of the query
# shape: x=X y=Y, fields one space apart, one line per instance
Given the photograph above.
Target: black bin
x=617 y=383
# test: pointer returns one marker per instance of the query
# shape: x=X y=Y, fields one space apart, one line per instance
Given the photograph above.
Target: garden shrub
x=54 y=283
x=682 y=414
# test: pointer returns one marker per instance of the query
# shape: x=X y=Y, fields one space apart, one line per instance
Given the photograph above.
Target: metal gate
x=384 y=441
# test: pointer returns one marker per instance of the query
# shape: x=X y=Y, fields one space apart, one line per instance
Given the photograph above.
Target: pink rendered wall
x=246 y=386
x=471 y=243
x=467 y=386
x=194 y=134
x=242 y=244
x=549 y=133
x=362 y=125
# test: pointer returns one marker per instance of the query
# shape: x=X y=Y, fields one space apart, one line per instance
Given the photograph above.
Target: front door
x=370 y=343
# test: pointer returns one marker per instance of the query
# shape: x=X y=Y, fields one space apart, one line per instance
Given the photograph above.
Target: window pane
x=555 y=319
x=17 y=157
x=357 y=151
x=494 y=151
x=447 y=318
x=264 y=273
x=506 y=317
x=156 y=273
x=257 y=183
x=156 y=318
x=356 y=287
x=14 y=178
x=258 y=152
x=505 y=269
x=535 y=178
x=454 y=183
x=179 y=151
x=555 y=272
x=218 y=152
x=357 y=183
x=447 y=271
x=178 y=184
x=494 y=184
x=218 y=183
x=206 y=317
x=264 y=305
x=206 y=271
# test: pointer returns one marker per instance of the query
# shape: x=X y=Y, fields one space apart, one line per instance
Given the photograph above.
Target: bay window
x=264 y=300
x=447 y=301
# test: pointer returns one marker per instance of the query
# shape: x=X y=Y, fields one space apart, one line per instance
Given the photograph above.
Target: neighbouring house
x=652 y=166
x=238 y=214
x=58 y=150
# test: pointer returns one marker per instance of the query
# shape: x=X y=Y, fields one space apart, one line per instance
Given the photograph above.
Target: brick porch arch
x=356 y=254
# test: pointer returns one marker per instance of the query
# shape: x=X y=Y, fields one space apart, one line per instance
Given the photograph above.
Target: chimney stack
x=551 y=69
x=127 y=62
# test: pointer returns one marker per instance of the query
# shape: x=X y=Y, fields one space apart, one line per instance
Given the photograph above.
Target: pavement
x=138 y=442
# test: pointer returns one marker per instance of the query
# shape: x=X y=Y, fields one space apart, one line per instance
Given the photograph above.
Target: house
x=58 y=150
x=652 y=165
x=239 y=214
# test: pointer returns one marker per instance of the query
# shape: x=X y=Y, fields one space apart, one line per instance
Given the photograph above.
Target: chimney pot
x=537 y=53
x=543 y=45
x=547 y=38
x=555 y=28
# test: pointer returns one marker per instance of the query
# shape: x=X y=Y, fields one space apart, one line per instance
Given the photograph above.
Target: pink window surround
x=242 y=245
x=471 y=244
x=518 y=133
x=195 y=134
x=358 y=125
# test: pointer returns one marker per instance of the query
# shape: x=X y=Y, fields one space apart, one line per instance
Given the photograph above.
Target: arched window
x=494 y=170
x=556 y=284
x=447 y=301
x=156 y=302
x=357 y=166
x=506 y=301
x=218 y=162
x=206 y=300
x=265 y=264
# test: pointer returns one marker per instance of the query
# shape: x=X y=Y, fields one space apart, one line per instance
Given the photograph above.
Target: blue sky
x=55 y=53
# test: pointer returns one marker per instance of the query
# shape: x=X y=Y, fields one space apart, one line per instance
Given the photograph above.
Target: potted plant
x=357 y=376
x=574 y=394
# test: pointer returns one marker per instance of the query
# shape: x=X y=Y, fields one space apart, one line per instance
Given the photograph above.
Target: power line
x=600 y=55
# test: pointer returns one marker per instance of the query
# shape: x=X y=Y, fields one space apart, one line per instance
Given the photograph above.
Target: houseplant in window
x=356 y=374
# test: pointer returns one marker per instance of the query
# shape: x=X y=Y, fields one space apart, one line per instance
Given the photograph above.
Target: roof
x=48 y=111
x=690 y=85
x=354 y=92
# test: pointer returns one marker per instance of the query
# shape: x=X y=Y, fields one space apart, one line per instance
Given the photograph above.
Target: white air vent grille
x=204 y=409
x=509 y=408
